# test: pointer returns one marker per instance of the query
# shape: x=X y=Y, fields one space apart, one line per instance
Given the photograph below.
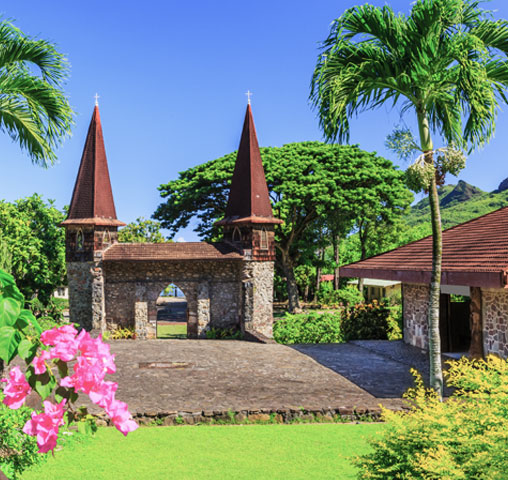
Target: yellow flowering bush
x=462 y=438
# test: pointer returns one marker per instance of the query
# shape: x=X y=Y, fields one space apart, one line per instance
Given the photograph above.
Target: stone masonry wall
x=80 y=281
x=415 y=309
x=495 y=321
x=212 y=290
x=258 y=296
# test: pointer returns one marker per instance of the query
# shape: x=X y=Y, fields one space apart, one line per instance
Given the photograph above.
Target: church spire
x=92 y=198
x=249 y=201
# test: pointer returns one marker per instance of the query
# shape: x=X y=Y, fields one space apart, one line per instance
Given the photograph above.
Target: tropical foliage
x=141 y=231
x=36 y=245
x=33 y=108
x=445 y=63
x=463 y=438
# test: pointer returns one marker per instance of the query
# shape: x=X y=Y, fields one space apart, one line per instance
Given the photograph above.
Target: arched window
x=80 y=241
x=106 y=238
x=237 y=236
x=263 y=244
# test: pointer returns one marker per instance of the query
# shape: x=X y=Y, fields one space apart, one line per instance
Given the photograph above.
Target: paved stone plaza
x=164 y=377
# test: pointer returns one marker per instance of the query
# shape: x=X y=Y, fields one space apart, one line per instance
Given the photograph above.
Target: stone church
x=227 y=284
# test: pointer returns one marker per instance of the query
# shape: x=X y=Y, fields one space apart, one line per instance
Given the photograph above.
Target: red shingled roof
x=248 y=196
x=170 y=251
x=92 y=198
x=475 y=253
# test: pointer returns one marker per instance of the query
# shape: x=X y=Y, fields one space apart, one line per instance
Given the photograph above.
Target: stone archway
x=171 y=320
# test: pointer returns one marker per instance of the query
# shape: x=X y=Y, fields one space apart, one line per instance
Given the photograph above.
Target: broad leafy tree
x=310 y=184
x=34 y=111
x=445 y=64
x=141 y=231
x=36 y=245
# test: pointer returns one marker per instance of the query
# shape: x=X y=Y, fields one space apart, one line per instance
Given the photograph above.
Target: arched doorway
x=172 y=313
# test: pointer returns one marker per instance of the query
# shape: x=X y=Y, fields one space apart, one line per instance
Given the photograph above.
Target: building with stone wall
x=474 y=285
x=228 y=284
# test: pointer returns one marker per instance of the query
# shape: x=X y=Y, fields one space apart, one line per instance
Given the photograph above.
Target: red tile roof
x=92 y=198
x=170 y=252
x=327 y=277
x=248 y=196
x=475 y=253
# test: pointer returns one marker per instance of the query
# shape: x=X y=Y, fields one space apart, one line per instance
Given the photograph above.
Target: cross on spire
x=249 y=94
x=96 y=99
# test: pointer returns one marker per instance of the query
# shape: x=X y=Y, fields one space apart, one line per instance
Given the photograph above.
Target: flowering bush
x=46 y=355
x=463 y=438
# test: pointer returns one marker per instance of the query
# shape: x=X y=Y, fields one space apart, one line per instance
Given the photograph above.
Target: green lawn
x=304 y=451
x=172 y=331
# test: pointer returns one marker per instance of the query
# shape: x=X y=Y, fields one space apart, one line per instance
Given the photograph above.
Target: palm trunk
x=436 y=370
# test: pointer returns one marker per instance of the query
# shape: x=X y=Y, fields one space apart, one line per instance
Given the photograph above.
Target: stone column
x=141 y=320
x=203 y=309
x=80 y=280
x=257 y=283
x=98 y=303
x=476 y=323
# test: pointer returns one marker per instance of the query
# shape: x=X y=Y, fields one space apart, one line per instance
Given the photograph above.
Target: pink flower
x=45 y=425
x=97 y=349
x=16 y=390
x=39 y=362
x=103 y=394
x=121 y=417
x=64 y=341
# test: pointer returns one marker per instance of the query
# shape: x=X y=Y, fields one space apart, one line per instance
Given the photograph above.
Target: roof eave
x=470 y=278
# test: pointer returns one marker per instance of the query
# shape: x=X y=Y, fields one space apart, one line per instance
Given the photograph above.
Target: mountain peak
x=502 y=186
x=462 y=192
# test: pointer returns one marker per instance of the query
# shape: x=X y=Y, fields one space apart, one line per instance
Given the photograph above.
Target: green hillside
x=459 y=203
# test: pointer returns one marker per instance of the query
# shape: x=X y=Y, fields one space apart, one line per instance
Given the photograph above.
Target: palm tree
x=33 y=109
x=446 y=64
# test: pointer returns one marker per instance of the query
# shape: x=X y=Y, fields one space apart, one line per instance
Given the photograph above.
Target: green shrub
x=308 y=328
x=17 y=450
x=224 y=334
x=463 y=438
x=120 y=334
x=347 y=296
x=371 y=321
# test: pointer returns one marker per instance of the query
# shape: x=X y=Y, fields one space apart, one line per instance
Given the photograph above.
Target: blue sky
x=171 y=76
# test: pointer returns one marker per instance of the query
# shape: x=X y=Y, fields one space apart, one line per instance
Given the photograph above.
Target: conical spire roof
x=249 y=200
x=92 y=199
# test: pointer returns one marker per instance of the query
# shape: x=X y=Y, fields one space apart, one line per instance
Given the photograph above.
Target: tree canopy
x=141 y=231
x=311 y=185
x=36 y=245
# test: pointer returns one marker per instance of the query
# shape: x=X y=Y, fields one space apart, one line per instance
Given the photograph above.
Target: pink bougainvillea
x=16 y=390
x=93 y=362
x=45 y=425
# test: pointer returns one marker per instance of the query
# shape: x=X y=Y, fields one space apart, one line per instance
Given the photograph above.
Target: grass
x=314 y=451
x=172 y=331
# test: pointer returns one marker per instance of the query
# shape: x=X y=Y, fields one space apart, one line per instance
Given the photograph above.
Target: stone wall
x=495 y=321
x=212 y=290
x=415 y=309
x=257 y=284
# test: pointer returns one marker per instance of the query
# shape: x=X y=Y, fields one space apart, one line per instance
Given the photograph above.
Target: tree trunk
x=1 y=368
x=318 y=281
x=436 y=370
x=336 y=259
x=293 y=299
